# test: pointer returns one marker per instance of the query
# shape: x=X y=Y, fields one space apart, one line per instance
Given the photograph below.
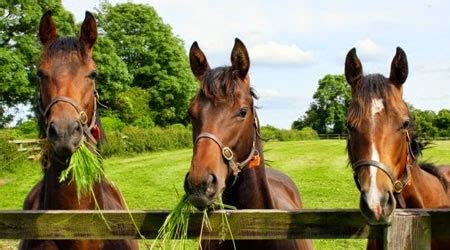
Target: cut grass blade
x=173 y=234
x=85 y=169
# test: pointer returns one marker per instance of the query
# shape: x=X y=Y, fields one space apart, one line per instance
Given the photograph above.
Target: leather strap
x=398 y=184
x=83 y=118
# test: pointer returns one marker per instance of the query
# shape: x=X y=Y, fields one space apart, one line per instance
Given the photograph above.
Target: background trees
x=327 y=112
x=19 y=48
x=154 y=57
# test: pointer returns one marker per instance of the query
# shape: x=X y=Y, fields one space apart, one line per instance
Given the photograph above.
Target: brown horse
x=383 y=148
x=67 y=106
x=228 y=158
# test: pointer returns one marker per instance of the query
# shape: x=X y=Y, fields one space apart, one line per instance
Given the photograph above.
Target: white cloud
x=268 y=93
x=368 y=50
x=272 y=53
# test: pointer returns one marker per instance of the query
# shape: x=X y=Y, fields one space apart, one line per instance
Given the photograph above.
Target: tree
x=442 y=122
x=19 y=47
x=113 y=76
x=154 y=56
x=424 y=123
x=327 y=112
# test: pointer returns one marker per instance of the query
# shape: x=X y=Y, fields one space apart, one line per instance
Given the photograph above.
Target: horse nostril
x=52 y=132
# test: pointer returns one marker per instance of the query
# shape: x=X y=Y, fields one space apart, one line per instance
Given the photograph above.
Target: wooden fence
x=344 y=137
x=409 y=229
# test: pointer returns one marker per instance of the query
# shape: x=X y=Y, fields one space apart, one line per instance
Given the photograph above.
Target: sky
x=294 y=43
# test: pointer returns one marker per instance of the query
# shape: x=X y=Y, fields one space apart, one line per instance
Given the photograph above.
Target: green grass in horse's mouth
x=175 y=227
x=85 y=169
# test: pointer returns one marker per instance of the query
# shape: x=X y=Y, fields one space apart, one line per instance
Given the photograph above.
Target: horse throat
x=251 y=190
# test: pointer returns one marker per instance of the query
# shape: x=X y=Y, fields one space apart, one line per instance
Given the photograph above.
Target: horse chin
x=200 y=201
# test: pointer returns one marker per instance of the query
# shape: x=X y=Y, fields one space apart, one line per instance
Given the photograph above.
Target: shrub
x=9 y=157
x=112 y=123
x=28 y=129
x=115 y=145
x=138 y=140
x=272 y=133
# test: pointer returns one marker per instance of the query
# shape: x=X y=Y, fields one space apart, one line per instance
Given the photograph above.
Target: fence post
x=408 y=231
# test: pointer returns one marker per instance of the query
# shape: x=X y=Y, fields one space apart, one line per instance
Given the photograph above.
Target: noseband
x=82 y=116
x=227 y=153
x=398 y=184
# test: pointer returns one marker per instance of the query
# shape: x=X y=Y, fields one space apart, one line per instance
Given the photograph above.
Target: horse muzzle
x=379 y=210
x=201 y=194
x=65 y=135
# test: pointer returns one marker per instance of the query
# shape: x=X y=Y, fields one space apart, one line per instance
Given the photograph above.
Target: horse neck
x=424 y=190
x=251 y=190
x=63 y=195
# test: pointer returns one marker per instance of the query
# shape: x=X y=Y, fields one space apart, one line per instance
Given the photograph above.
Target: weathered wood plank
x=409 y=230
x=244 y=224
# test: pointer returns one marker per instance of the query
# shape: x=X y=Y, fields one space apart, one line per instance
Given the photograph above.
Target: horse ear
x=353 y=68
x=399 y=67
x=47 y=28
x=88 y=32
x=197 y=59
x=240 y=60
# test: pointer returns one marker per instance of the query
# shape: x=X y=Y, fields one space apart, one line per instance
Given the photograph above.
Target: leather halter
x=82 y=116
x=398 y=184
x=227 y=153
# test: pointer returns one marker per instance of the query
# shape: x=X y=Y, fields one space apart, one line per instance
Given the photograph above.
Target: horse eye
x=406 y=124
x=93 y=75
x=243 y=112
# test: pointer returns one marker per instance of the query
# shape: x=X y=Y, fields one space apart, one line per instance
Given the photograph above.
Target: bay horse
x=67 y=114
x=383 y=147
x=228 y=158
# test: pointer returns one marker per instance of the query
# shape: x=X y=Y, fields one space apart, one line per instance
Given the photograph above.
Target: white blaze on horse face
x=374 y=195
x=377 y=106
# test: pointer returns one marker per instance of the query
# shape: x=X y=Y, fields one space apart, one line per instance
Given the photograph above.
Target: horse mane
x=221 y=83
x=67 y=44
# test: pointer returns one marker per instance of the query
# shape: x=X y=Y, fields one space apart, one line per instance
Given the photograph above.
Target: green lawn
x=150 y=181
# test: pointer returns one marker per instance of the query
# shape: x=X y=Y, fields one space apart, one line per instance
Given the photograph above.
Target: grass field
x=150 y=181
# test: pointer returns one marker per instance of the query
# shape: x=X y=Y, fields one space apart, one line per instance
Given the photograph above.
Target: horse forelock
x=221 y=84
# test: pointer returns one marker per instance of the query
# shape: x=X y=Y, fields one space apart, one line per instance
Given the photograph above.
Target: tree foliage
x=113 y=76
x=429 y=124
x=327 y=112
x=19 y=47
x=153 y=55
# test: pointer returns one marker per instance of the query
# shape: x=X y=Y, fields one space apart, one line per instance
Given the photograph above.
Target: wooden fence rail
x=410 y=229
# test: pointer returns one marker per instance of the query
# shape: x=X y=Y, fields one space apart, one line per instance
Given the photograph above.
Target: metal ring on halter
x=227 y=153
x=398 y=186
x=83 y=118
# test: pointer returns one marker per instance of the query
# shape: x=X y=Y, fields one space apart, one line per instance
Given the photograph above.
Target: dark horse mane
x=221 y=83
x=377 y=86
x=63 y=45
x=66 y=45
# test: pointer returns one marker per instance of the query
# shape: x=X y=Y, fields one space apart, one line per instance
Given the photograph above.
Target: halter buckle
x=398 y=186
x=83 y=118
x=227 y=153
